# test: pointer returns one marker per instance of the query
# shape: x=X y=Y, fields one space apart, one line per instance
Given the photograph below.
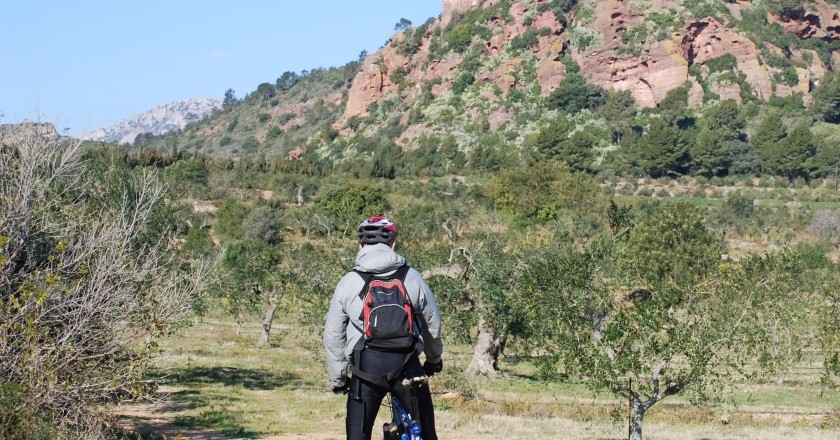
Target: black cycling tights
x=364 y=398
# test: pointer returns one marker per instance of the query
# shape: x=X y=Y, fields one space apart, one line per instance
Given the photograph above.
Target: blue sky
x=86 y=64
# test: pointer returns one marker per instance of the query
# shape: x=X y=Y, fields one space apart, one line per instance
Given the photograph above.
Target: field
x=219 y=385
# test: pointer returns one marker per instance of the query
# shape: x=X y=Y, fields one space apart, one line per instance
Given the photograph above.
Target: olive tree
x=89 y=277
x=255 y=277
x=661 y=314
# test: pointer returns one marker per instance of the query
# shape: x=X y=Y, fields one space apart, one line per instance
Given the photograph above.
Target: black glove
x=339 y=388
x=430 y=368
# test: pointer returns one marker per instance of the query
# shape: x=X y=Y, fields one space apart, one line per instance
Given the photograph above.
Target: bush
x=826 y=225
x=555 y=189
x=94 y=279
x=528 y=39
x=17 y=420
x=575 y=94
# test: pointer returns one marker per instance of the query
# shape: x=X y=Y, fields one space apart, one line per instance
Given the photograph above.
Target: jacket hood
x=378 y=258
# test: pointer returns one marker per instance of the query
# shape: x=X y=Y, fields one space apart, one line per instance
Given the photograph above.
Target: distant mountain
x=157 y=121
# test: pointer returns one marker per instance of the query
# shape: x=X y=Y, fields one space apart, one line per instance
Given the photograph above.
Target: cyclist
x=383 y=370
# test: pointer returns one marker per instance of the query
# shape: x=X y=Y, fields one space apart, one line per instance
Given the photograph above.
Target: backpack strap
x=367 y=277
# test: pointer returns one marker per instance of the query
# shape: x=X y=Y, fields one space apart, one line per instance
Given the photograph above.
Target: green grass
x=224 y=383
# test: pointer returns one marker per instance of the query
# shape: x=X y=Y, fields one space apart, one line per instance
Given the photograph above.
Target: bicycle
x=405 y=423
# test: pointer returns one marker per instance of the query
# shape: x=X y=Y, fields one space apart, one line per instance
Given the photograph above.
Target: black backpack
x=388 y=317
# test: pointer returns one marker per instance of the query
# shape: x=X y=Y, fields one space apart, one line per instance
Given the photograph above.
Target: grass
x=224 y=383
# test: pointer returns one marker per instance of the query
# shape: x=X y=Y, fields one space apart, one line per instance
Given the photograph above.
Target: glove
x=430 y=368
x=339 y=388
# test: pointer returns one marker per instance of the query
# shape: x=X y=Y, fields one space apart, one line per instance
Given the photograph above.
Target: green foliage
x=658 y=26
x=266 y=91
x=792 y=157
x=723 y=63
x=398 y=76
x=17 y=420
x=461 y=36
x=788 y=76
x=543 y=190
x=826 y=105
x=579 y=150
x=263 y=223
x=230 y=100
x=546 y=143
x=250 y=262
x=661 y=151
x=619 y=108
x=575 y=94
x=768 y=133
x=287 y=80
x=721 y=125
x=661 y=314
x=412 y=40
x=676 y=99
x=89 y=278
x=466 y=26
x=827 y=142
x=673 y=245
x=464 y=80
x=491 y=154
x=229 y=217
x=402 y=25
x=585 y=39
x=526 y=40
x=349 y=203
x=189 y=176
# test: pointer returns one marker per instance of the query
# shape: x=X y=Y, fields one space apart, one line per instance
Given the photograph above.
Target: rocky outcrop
x=820 y=20
x=550 y=73
x=157 y=121
x=498 y=118
x=373 y=80
x=504 y=75
x=648 y=69
x=695 y=93
x=453 y=7
x=648 y=78
x=708 y=39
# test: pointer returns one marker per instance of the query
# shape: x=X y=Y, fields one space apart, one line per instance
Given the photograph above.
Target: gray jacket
x=346 y=308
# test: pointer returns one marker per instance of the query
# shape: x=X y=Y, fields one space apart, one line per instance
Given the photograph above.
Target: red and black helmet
x=377 y=230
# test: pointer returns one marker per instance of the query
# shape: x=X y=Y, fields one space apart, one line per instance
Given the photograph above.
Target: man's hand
x=430 y=368
x=339 y=388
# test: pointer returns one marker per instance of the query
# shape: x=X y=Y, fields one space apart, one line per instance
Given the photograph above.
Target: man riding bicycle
x=350 y=340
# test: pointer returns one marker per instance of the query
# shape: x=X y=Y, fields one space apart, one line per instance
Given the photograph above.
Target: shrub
x=826 y=225
x=95 y=278
x=528 y=39
x=575 y=94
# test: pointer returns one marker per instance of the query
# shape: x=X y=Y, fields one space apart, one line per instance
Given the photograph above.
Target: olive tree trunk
x=637 y=419
x=488 y=347
x=266 y=325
